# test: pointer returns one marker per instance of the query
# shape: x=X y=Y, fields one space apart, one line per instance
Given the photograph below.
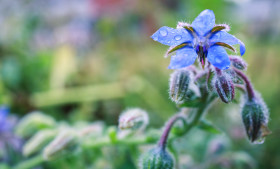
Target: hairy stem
x=163 y=140
x=195 y=120
x=249 y=87
x=199 y=113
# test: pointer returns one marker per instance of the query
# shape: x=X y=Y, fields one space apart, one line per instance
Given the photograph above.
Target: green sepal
x=157 y=158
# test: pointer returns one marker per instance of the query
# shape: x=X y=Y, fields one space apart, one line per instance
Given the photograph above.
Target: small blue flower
x=10 y=144
x=4 y=123
x=202 y=38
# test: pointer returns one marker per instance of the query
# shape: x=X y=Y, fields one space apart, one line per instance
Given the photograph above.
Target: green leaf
x=209 y=127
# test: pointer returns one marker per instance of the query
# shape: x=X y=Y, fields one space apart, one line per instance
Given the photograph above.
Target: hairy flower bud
x=133 y=119
x=224 y=87
x=179 y=85
x=255 y=119
x=157 y=158
x=93 y=129
x=238 y=62
x=34 y=122
x=65 y=141
x=38 y=141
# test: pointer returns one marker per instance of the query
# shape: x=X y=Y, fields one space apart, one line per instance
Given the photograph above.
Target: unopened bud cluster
x=222 y=83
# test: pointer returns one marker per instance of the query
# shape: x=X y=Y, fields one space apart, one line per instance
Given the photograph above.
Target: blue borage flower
x=202 y=38
x=4 y=123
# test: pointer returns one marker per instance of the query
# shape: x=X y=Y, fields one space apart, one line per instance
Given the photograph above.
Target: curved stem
x=200 y=112
x=196 y=119
x=249 y=87
x=163 y=140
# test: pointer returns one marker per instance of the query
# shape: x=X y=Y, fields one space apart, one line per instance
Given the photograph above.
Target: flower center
x=201 y=46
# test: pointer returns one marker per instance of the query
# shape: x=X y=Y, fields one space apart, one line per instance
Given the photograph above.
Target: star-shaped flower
x=202 y=38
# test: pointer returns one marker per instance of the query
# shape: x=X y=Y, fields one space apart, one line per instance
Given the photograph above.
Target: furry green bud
x=255 y=119
x=133 y=119
x=224 y=87
x=34 y=122
x=179 y=85
x=38 y=141
x=65 y=141
x=157 y=158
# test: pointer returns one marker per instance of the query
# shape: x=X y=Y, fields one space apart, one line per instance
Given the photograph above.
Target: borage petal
x=204 y=22
x=218 y=57
x=227 y=38
x=183 y=58
x=172 y=37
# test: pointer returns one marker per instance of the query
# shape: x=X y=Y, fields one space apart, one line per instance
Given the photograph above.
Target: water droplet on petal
x=217 y=60
x=178 y=37
x=163 y=32
x=156 y=38
x=259 y=141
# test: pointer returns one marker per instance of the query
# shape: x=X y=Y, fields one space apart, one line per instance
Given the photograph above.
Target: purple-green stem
x=164 y=137
x=188 y=126
x=249 y=87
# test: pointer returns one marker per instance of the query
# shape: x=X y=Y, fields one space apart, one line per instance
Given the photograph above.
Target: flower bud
x=255 y=119
x=34 y=122
x=93 y=129
x=224 y=87
x=133 y=119
x=238 y=62
x=157 y=158
x=38 y=141
x=65 y=141
x=179 y=85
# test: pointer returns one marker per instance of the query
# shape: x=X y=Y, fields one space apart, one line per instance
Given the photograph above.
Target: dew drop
x=156 y=38
x=178 y=37
x=163 y=32
x=217 y=60
x=259 y=141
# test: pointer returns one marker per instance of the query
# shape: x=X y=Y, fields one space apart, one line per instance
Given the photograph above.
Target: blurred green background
x=91 y=59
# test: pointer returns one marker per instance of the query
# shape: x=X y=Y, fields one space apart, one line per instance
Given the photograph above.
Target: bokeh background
x=89 y=60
